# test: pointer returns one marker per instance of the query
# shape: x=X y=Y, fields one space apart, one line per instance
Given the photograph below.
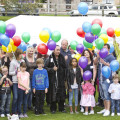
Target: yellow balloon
x=92 y=48
x=11 y=42
x=13 y=48
x=117 y=32
x=104 y=37
x=77 y=56
x=44 y=36
x=6 y=49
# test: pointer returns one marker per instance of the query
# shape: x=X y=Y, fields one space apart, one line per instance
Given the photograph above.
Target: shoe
x=91 y=112
x=2 y=115
x=101 y=112
x=21 y=115
x=82 y=109
x=37 y=114
x=7 y=115
x=25 y=115
x=76 y=112
x=71 y=112
x=53 y=112
x=107 y=113
x=112 y=114
x=63 y=111
x=86 y=113
x=118 y=114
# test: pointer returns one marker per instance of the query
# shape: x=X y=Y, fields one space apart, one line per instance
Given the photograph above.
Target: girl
x=87 y=99
x=23 y=88
x=74 y=78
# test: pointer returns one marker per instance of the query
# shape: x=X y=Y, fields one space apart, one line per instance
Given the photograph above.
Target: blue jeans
x=75 y=96
x=22 y=99
x=103 y=88
x=5 y=103
x=115 y=103
x=15 y=98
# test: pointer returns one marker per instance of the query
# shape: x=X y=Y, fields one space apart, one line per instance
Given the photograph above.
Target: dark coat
x=56 y=89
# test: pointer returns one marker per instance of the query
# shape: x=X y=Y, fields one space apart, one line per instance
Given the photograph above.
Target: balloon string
x=13 y=52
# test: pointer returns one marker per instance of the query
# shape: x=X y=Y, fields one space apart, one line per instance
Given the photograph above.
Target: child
x=5 y=91
x=23 y=88
x=87 y=99
x=114 y=89
x=40 y=85
x=74 y=78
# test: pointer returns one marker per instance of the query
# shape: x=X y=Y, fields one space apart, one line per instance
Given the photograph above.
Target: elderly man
x=56 y=68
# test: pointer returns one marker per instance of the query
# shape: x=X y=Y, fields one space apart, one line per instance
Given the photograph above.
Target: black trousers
x=39 y=101
x=53 y=106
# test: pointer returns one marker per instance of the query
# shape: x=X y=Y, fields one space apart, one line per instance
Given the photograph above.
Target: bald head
x=64 y=44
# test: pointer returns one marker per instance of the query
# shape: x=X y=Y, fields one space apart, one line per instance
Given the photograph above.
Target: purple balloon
x=0 y=44
x=83 y=62
x=87 y=75
x=89 y=37
x=51 y=45
x=103 y=53
x=80 y=48
x=10 y=30
x=96 y=37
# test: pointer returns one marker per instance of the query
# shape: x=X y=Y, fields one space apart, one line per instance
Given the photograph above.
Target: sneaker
x=7 y=115
x=112 y=114
x=2 y=115
x=21 y=115
x=86 y=113
x=25 y=115
x=76 y=112
x=106 y=113
x=118 y=114
x=91 y=112
x=71 y=112
x=82 y=109
x=101 y=112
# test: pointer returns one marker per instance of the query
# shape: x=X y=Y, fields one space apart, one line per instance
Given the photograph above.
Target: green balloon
x=73 y=45
x=95 y=29
x=2 y=27
x=103 y=31
x=87 y=44
x=26 y=37
x=99 y=43
x=56 y=36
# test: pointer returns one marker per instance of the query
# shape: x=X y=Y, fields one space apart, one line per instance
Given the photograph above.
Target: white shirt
x=116 y=94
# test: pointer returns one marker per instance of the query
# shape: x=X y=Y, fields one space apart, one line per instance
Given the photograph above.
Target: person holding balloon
x=104 y=76
x=73 y=53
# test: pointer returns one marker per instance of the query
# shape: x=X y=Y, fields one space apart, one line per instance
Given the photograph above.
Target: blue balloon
x=49 y=31
x=86 y=27
x=111 y=48
x=83 y=8
x=114 y=65
x=23 y=46
x=106 y=71
x=4 y=40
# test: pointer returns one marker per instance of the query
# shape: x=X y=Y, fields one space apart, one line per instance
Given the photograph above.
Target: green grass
x=5 y=18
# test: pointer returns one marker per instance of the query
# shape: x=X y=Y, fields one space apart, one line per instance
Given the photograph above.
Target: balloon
x=86 y=27
x=104 y=37
x=99 y=43
x=87 y=75
x=51 y=45
x=42 y=48
x=114 y=65
x=26 y=37
x=4 y=40
x=83 y=8
x=89 y=37
x=80 y=32
x=117 y=32
x=0 y=44
x=106 y=72
x=17 y=40
x=49 y=31
x=95 y=29
x=96 y=37
x=6 y=49
x=111 y=48
x=87 y=44
x=110 y=32
x=56 y=36
x=2 y=27
x=80 y=48
x=77 y=56
x=92 y=48
x=103 y=53
x=23 y=46
x=73 y=45
x=10 y=30
x=97 y=21
x=83 y=62
x=103 y=31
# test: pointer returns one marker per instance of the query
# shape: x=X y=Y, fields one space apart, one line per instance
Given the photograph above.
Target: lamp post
x=48 y=5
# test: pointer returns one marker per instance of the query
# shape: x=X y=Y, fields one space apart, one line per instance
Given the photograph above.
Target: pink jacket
x=88 y=89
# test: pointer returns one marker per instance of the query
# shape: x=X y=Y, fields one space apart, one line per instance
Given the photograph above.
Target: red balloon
x=16 y=40
x=42 y=48
x=80 y=32
x=97 y=21
x=110 y=32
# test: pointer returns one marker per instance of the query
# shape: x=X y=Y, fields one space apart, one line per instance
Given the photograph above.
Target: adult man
x=103 y=82
x=56 y=68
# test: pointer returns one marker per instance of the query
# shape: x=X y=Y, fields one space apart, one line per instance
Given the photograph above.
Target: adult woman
x=31 y=65
x=72 y=51
x=13 y=70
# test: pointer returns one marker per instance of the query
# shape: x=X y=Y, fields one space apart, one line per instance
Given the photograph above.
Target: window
x=95 y=7
x=105 y=7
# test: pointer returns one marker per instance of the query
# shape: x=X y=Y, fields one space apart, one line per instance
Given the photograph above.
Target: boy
x=40 y=84
x=5 y=91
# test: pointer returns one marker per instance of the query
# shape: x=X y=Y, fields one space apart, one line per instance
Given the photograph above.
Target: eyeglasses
x=5 y=71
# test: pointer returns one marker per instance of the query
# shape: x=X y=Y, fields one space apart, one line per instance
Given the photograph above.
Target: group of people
x=33 y=78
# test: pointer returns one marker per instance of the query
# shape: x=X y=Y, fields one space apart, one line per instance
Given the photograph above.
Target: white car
x=109 y=10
